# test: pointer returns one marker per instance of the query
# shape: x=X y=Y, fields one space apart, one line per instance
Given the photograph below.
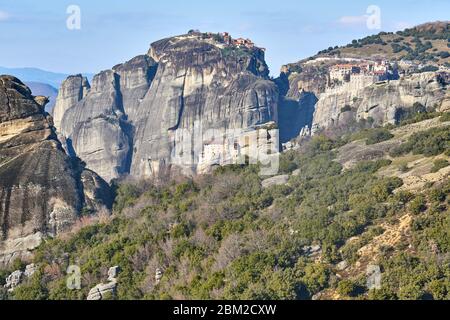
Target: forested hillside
x=224 y=236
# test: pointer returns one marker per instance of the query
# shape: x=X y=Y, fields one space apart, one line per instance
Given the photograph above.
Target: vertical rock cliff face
x=73 y=89
x=300 y=89
x=203 y=92
x=96 y=127
x=162 y=109
x=41 y=190
x=380 y=102
x=308 y=101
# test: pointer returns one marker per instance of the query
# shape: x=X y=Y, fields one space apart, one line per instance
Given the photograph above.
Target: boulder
x=374 y=277
x=30 y=270
x=312 y=251
x=105 y=291
x=14 y=280
x=275 y=181
x=341 y=266
x=158 y=275
x=113 y=272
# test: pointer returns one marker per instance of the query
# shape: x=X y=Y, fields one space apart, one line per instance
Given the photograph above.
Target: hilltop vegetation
x=223 y=236
x=428 y=43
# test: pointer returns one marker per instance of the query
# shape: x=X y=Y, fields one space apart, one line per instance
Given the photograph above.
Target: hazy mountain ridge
x=29 y=74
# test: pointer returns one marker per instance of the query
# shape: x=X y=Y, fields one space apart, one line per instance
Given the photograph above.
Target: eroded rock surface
x=379 y=102
x=41 y=191
x=141 y=117
x=106 y=291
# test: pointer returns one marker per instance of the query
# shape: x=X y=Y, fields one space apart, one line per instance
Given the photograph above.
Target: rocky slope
x=42 y=190
x=141 y=117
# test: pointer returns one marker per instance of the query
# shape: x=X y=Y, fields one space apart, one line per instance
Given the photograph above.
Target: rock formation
x=17 y=277
x=73 y=89
x=105 y=291
x=142 y=117
x=189 y=100
x=309 y=105
x=41 y=190
x=300 y=88
x=379 y=102
x=275 y=181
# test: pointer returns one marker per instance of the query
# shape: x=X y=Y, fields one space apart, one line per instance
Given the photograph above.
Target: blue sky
x=34 y=33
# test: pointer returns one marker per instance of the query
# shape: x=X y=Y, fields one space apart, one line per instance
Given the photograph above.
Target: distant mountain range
x=41 y=82
x=38 y=75
x=44 y=89
x=35 y=75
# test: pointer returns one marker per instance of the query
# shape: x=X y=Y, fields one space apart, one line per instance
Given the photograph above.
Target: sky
x=35 y=33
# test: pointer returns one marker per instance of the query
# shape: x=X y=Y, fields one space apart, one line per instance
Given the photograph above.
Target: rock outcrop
x=379 y=102
x=275 y=181
x=72 y=90
x=311 y=103
x=163 y=109
x=41 y=190
x=105 y=291
x=17 y=277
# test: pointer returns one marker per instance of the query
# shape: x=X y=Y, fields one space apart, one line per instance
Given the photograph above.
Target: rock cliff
x=190 y=99
x=310 y=105
x=73 y=89
x=165 y=108
x=300 y=87
x=380 y=102
x=41 y=189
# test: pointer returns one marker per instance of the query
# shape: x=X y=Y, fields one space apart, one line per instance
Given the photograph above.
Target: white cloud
x=4 y=15
x=353 y=20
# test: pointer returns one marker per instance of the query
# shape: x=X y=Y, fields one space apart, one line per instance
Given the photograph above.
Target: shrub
x=429 y=143
x=445 y=117
x=3 y=275
x=404 y=168
x=34 y=289
x=428 y=69
x=348 y=288
x=439 y=164
x=378 y=135
x=316 y=277
x=418 y=205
